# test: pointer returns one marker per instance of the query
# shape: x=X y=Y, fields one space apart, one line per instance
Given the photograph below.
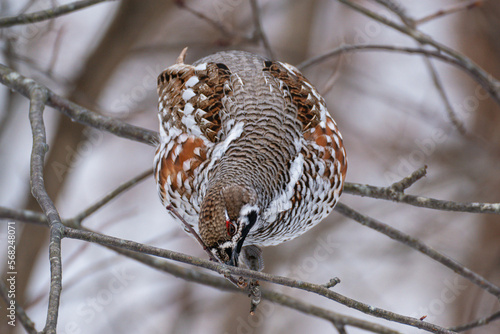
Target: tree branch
x=26 y=216
x=226 y=270
x=38 y=98
x=389 y=194
x=477 y=323
x=77 y=220
x=489 y=83
x=450 y=10
x=259 y=33
x=419 y=246
x=410 y=23
x=22 y=85
x=198 y=276
x=46 y=14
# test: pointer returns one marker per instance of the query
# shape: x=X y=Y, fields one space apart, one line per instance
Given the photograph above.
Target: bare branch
x=77 y=220
x=477 y=323
x=491 y=84
x=259 y=31
x=216 y=24
x=77 y=113
x=399 y=10
x=26 y=216
x=38 y=98
x=419 y=246
x=450 y=10
x=197 y=276
x=408 y=181
x=228 y=270
x=366 y=190
x=47 y=14
x=450 y=112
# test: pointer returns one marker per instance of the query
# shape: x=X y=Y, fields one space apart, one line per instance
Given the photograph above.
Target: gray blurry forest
x=410 y=84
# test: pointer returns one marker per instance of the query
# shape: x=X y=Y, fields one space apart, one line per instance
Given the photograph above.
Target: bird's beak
x=234 y=258
x=236 y=251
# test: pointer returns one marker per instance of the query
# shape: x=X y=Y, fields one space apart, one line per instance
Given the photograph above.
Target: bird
x=248 y=153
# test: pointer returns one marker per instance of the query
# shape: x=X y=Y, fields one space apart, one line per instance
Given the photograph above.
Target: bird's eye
x=231 y=229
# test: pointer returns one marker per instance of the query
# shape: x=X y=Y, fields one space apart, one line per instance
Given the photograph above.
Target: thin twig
x=450 y=112
x=26 y=216
x=259 y=33
x=477 y=323
x=366 y=190
x=408 y=181
x=485 y=79
x=77 y=220
x=38 y=98
x=46 y=14
x=399 y=10
x=78 y=113
x=216 y=24
x=450 y=10
x=419 y=246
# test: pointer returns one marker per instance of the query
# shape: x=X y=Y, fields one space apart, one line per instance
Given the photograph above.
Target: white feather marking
x=322 y=112
x=163 y=133
x=192 y=81
x=179 y=179
x=234 y=134
x=188 y=94
x=186 y=165
x=247 y=208
x=292 y=69
x=221 y=148
x=282 y=202
x=188 y=109
x=200 y=112
x=197 y=151
x=189 y=122
x=182 y=138
x=331 y=124
x=239 y=79
x=336 y=139
x=177 y=151
x=201 y=67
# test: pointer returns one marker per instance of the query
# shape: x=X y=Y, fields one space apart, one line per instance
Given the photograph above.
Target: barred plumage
x=248 y=152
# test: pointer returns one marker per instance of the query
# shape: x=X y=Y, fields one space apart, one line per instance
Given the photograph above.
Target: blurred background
x=393 y=120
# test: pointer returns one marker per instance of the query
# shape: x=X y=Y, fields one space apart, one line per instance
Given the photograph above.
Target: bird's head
x=226 y=217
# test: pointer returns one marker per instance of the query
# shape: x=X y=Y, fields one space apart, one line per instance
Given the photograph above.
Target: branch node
x=401 y=186
x=333 y=282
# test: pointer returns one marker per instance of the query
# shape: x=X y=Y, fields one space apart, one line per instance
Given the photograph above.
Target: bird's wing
x=190 y=102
